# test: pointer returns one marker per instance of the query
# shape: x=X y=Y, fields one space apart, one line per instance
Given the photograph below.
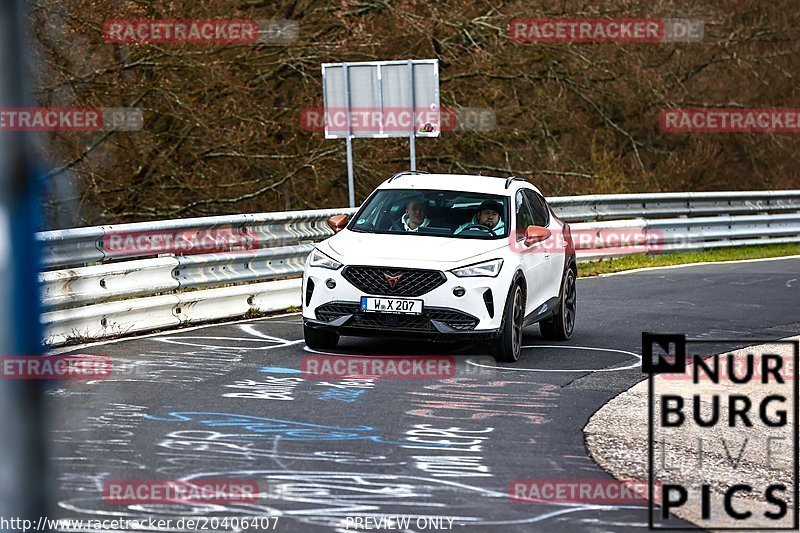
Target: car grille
x=411 y=282
x=457 y=320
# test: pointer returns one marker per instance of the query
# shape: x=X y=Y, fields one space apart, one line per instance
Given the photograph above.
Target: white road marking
x=278 y=343
x=176 y=331
x=250 y=328
x=635 y=364
x=647 y=269
x=583 y=370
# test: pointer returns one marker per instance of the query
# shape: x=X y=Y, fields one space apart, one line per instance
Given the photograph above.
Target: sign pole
x=413 y=152
x=349 y=138
x=412 y=135
x=350 y=185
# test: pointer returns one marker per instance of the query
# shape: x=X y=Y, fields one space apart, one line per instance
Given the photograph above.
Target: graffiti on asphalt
x=471 y=399
x=281 y=388
x=329 y=498
x=258 y=428
x=339 y=395
x=453 y=440
x=271 y=388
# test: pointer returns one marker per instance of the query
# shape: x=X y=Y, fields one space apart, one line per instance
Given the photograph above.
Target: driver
x=416 y=215
x=489 y=214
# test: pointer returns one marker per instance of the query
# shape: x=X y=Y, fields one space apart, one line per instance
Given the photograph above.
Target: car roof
x=456 y=182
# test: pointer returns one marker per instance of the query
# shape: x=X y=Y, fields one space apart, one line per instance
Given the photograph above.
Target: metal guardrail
x=90 y=245
x=83 y=246
x=676 y=204
x=113 y=280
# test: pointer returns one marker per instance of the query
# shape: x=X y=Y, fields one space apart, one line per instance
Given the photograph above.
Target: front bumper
x=444 y=314
x=398 y=327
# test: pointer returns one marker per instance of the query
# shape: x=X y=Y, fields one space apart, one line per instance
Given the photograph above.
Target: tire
x=508 y=346
x=318 y=339
x=560 y=327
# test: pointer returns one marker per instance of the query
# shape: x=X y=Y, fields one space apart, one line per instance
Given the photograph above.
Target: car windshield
x=463 y=215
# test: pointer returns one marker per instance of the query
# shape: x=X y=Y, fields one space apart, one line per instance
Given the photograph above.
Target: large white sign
x=382 y=99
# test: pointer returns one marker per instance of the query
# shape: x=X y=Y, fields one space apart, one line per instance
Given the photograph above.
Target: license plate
x=401 y=306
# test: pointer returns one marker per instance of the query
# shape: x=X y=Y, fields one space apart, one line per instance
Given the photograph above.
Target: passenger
x=490 y=214
x=416 y=215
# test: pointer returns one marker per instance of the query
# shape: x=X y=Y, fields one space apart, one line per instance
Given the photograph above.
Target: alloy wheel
x=570 y=302
x=516 y=328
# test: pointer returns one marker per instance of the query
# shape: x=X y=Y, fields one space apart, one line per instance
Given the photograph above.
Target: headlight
x=489 y=269
x=318 y=259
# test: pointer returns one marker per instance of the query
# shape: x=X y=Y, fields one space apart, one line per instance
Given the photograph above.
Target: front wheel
x=559 y=328
x=318 y=339
x=508 y=345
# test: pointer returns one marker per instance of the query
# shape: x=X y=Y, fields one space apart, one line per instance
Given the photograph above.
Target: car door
x=532 y=258
x=554 y=255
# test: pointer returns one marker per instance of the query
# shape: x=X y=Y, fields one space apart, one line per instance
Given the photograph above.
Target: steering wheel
x=396 y=226
x=481 y=226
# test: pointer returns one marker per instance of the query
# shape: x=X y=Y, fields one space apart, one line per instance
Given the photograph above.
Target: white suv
x=444 y=257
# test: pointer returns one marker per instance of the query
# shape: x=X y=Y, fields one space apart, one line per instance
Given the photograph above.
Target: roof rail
x=512 y=179
x=407 y=172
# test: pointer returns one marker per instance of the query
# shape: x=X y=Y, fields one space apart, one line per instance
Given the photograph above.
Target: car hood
x=399 y=250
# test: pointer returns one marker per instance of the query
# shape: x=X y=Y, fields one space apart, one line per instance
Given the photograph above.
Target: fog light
x=459 y=292
x=330 y=283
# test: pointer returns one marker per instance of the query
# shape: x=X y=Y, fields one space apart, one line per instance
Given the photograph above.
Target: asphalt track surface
x=226 y=402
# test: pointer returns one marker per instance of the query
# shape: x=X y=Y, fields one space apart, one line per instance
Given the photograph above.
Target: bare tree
x=222 y=122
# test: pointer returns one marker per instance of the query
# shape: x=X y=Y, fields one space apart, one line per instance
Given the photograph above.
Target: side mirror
x=337 y=222
x=534 y=234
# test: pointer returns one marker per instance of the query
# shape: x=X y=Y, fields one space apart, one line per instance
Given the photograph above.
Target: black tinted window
x=430 y=212
x=541 y=215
